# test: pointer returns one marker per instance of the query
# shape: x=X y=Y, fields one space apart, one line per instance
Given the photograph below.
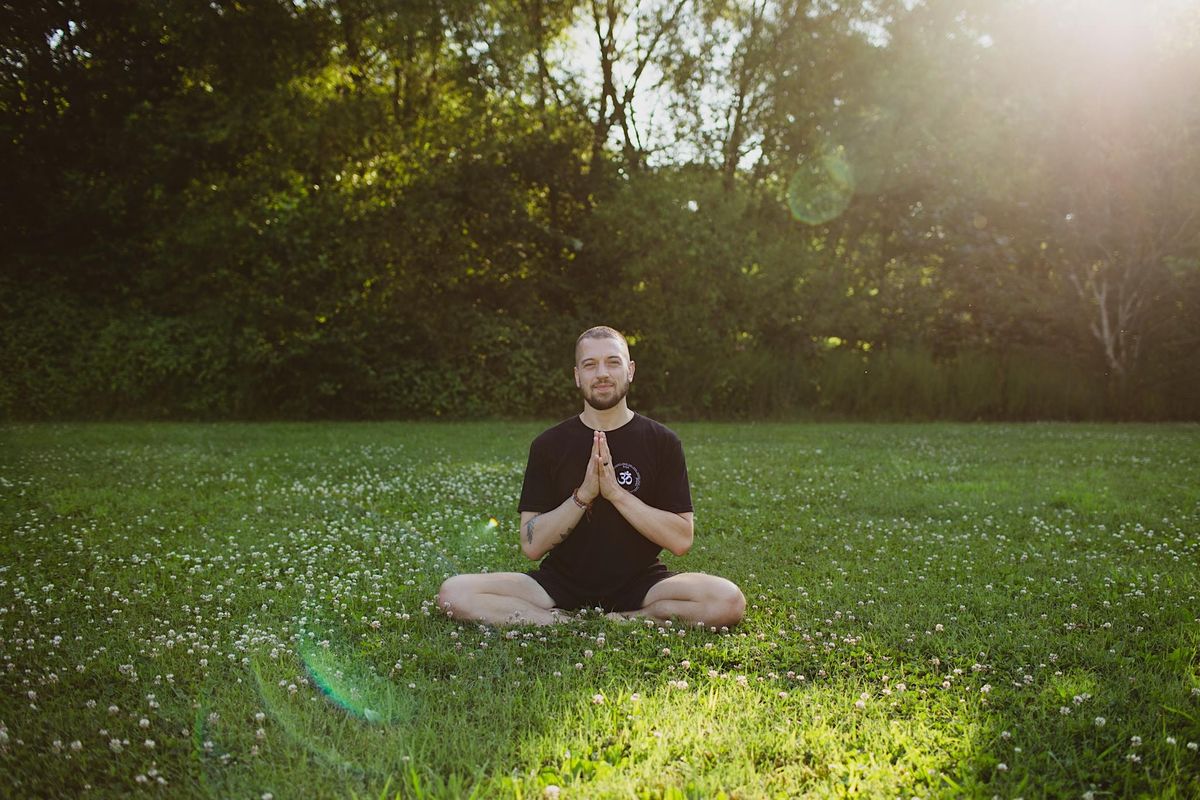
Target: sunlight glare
x=1108 y=30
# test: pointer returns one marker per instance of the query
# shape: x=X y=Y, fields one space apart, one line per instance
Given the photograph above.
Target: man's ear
x=575 y=370
x=632 y=367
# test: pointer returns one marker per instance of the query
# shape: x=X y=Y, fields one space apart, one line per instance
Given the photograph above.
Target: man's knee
x=453 y=594
x=728 y=604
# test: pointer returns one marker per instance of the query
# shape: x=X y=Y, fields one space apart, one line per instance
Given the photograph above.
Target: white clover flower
x=1100 y=722
x=597 y=699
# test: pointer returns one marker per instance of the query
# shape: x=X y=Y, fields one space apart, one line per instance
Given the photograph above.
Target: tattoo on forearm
x=529 y=529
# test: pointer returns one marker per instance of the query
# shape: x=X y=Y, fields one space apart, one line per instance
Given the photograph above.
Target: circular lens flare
x=821 y=189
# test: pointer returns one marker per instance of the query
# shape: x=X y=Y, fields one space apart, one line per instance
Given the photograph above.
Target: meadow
x=935 y=610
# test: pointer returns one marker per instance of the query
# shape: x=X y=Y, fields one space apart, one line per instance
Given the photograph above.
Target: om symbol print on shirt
x=628 y=477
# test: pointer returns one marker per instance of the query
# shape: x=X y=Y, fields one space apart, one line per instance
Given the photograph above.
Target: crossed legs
x=497 y=598
x=694 y=597
x=505 y=598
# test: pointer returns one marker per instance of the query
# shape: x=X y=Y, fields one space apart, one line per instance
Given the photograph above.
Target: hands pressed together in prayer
x=600 y=479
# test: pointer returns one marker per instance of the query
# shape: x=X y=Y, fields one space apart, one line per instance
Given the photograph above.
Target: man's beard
x=619 y=390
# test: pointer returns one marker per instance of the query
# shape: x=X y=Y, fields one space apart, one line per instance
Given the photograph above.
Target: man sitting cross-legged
x=604 y=493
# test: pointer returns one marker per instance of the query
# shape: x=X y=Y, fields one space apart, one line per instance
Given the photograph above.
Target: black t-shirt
x=604 y=551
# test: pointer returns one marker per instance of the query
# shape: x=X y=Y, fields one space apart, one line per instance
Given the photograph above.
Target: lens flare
x=354 y=689
x=366 y=715
x=493 y=523
x=306 y=733
x=822 y=187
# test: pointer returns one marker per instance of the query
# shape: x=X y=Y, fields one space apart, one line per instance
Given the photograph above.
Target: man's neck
x=607 y=420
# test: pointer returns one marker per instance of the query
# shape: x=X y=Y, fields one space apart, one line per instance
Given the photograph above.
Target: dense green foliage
x=373 y=208
x=942 y=611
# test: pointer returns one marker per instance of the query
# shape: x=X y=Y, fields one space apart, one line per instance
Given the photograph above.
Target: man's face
x=603 y=372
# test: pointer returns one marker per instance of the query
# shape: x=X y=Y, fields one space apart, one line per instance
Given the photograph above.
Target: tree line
x=378 y=209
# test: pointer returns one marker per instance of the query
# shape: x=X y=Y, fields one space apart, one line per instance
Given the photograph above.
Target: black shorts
x=630 y=596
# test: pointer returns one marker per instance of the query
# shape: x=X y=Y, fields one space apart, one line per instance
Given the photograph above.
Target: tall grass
x=981 y=385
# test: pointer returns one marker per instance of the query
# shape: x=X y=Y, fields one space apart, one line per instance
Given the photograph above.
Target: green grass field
x=247 y=611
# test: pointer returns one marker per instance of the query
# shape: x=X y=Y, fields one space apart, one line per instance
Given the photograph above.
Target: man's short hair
x=601 y=332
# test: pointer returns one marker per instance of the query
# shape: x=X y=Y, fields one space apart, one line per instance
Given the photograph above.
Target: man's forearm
x=542 y=532
x=664 y=528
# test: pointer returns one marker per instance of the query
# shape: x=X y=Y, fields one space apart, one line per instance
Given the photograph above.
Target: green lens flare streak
x=358 y=691
x=292 y=727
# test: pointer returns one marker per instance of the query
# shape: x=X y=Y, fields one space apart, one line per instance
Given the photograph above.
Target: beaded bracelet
x=585 y=506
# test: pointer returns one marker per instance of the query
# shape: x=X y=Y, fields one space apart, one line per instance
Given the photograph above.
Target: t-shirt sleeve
x=537 y=491
x=676 y=494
